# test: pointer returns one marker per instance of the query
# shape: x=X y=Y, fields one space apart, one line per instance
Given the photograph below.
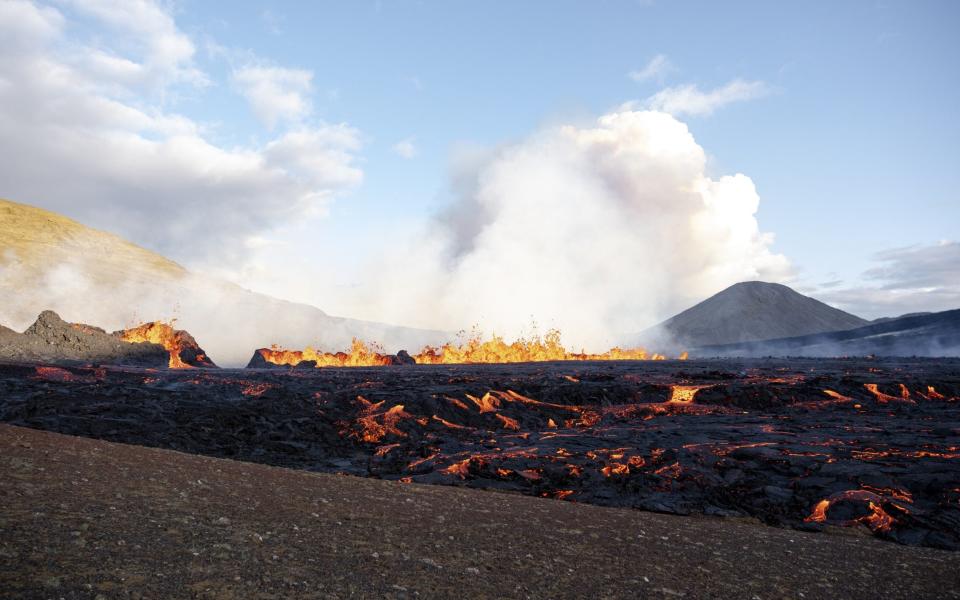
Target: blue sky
x=855 y=149
x=845 y=121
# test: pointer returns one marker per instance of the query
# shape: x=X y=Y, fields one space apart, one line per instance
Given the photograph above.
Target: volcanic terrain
x=86 y=519
x=870 y=444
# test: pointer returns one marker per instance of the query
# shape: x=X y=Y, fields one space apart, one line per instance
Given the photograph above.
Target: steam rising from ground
x=228 y=321
x=600 y=231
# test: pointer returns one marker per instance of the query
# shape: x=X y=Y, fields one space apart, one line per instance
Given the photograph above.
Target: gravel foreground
x=82 y=518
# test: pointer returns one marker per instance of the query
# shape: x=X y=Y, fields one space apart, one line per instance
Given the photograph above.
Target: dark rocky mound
x=190 y=351
x=925 y=334
x=748 y=311
x=52 y=340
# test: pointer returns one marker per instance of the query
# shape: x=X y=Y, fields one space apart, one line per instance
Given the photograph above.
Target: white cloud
x=658 y=66
x=690 y=100
x=598 y=230
x=124 y=163
x=164 y=53
x=276 y=93
x=35 y=24
x=916 y=278
x=405 y=148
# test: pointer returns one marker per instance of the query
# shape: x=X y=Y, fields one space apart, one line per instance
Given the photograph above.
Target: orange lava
x=877 y=520
x=161 y=333
x=461 y=469
x=684 y=394
x=885 y=398
x=837 y=396
x=255 y=389
x=360 y=355
x=56 y=374
x=377 y=423
x=474 y=350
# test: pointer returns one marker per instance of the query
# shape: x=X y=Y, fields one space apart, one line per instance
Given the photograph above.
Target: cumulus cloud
x=164 y=54
x=598 y=230
x=405 y=148
x=691 y=100
x=84 y=142
x=275 y=93
x=656 y=68
x=917 y=278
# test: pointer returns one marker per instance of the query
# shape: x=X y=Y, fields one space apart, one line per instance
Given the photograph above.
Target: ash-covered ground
x=804 y=443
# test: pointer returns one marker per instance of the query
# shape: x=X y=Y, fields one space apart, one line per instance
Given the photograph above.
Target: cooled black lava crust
x=802 y=443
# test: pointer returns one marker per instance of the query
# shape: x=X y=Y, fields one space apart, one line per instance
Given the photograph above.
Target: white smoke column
x=598 y=231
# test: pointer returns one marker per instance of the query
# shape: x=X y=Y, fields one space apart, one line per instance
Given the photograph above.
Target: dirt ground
x=82 y=518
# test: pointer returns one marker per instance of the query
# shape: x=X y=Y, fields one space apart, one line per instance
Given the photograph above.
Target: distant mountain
x=748 y=311
x=925 y=334
x=913 y=314
x=48 y=261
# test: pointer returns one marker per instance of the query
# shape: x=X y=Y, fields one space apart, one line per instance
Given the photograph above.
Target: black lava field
x=804 y=443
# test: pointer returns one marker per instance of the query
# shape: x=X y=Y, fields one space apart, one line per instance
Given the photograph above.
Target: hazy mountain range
x=48 y=261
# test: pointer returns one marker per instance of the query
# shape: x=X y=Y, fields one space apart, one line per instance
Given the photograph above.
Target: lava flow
x=360 y=355
x=803 y=443
x=867 y=507
x=184 y=350
x=473 y=351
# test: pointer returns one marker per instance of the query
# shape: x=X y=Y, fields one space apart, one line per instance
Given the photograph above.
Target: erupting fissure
x=184 y=351
x=473 y=351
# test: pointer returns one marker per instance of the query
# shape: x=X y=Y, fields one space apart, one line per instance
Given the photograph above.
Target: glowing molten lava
x=534 y=349
x=885 y=398
x=360 y=355
x=474 y=350
x=684 y=394
x=877 y=519
x=376 y=423
x=177 y=342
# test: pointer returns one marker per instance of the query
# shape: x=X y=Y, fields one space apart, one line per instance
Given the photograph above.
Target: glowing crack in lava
x=793 y=442
x=177 y=342
x=684 y=394
x=877 y=519
x=883 y=398
x=474 y=351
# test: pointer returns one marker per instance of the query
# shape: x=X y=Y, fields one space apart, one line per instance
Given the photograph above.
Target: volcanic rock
x=748 y=311
x=403 y=358
x=52 y=340
x=805 y=443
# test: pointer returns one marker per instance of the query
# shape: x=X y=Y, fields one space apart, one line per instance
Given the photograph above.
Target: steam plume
x=597 y=230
